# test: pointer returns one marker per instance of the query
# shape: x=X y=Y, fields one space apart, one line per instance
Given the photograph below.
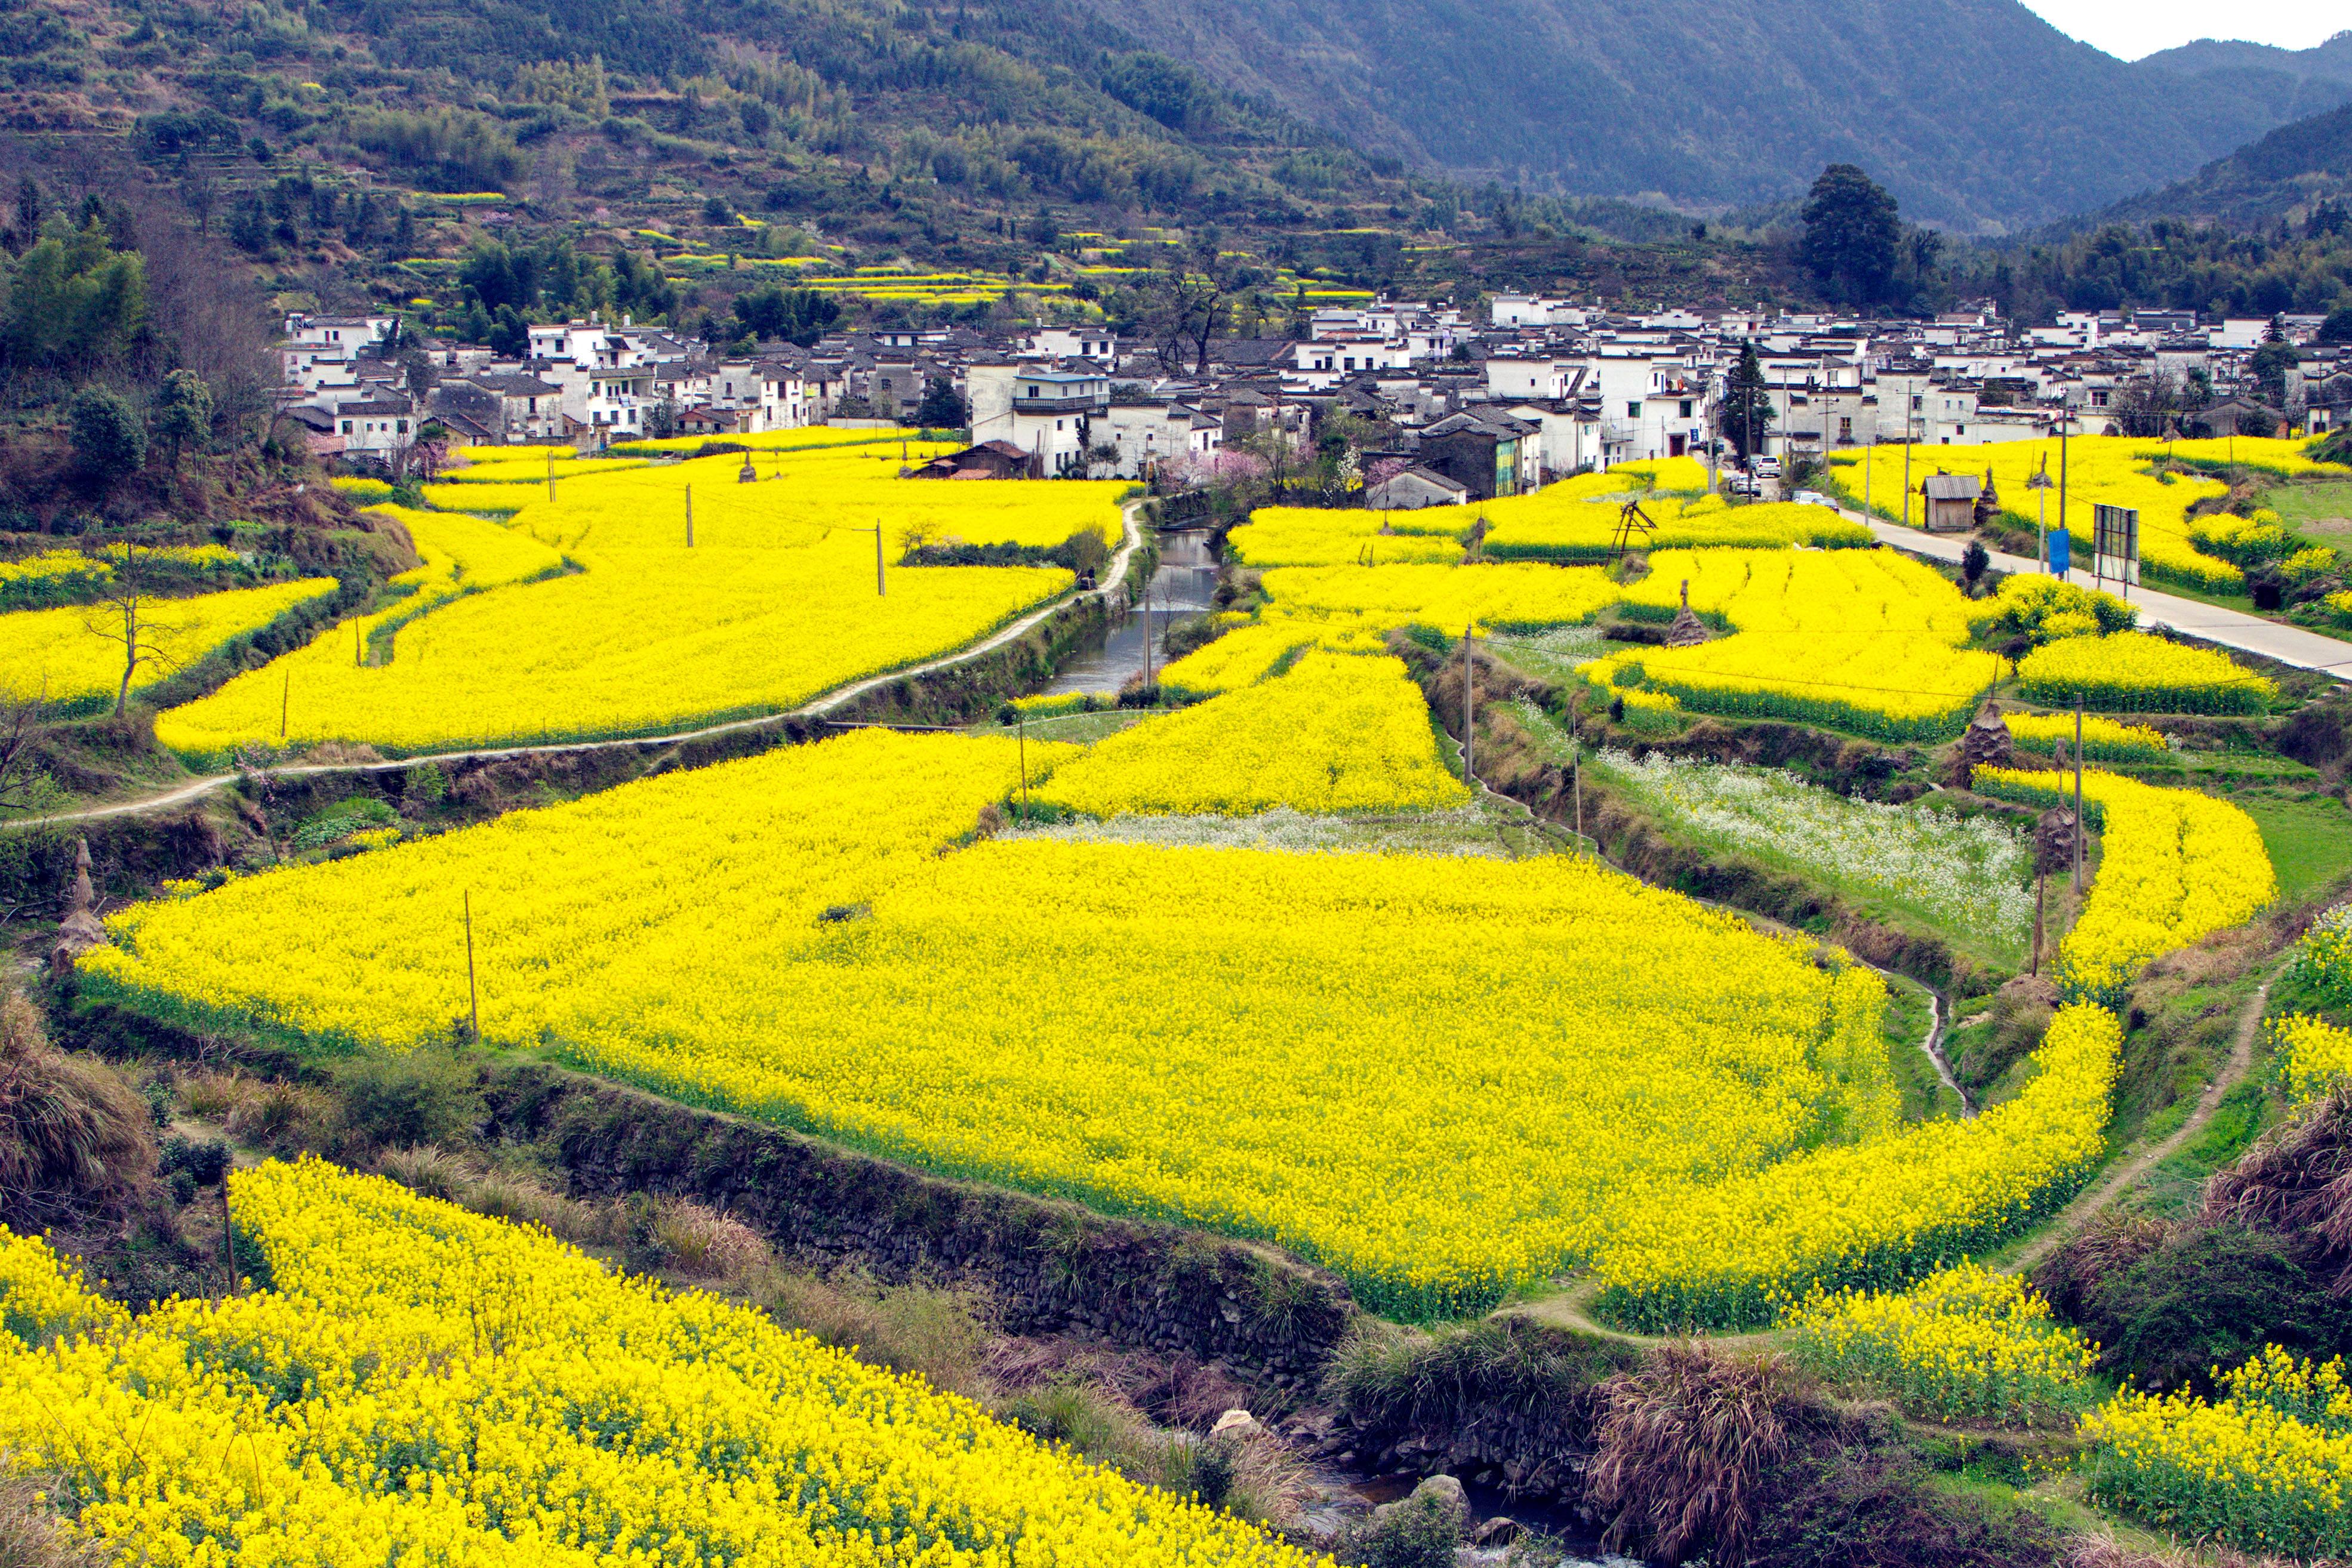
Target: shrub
x=428 y=1095
x=1422 y=1532
x=2168 y=1306
x=342 y=819
x=2323 y=959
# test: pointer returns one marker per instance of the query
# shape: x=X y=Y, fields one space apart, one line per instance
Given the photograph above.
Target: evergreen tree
x=184 y=412
x=1745 y=416
x=2273 y=358
x=943 y=407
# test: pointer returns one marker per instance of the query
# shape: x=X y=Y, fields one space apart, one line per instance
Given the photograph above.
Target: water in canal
x=1183 y=586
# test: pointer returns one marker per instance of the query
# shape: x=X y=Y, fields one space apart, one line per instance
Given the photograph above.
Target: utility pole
x=2078 y=794
x=689 y=516
x=881 y=589
x=1150 y=687
x=1467 y=732
x=1907 y=454
x=285 y=703
x=1024 y=763
x=551 y=473
x=2040 y=894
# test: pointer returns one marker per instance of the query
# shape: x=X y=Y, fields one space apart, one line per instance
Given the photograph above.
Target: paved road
x=1113 y=590
x=2207 y=623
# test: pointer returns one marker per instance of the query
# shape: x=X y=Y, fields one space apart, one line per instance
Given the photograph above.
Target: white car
x=1813 y=499
x=1767 y=467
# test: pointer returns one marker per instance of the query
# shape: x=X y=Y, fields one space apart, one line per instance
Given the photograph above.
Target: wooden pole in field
x=358 y=657
x=473 y=991
x=228 y=1237
x=551 y=473
x=1465 y=705
x=285 y=702
x=2078 y=787
x=689 y=516
x=2040 y=892
x=1024 y=765
x=880 y=590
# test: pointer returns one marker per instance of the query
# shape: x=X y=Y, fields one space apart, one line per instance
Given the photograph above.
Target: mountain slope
x=2331 y=61
x=2278 y=176
x=1975 y=113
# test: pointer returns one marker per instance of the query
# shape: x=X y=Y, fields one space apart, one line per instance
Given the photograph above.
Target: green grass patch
x=2323 y=510
x=2309 y=838
x=1909 y=1012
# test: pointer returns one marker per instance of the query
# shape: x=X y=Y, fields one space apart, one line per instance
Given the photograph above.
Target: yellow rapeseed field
x=420 y=1385
x=773 y=604
x=1965 y=1343
x=1864 y=640
x=72 y=657
x=2264 y=1468
x=2177 y=866
x=2043 y=733
x=2312 y=1056
x=1338 y=732
x=2133 y=672
x=1330 y=1075
x=2113 y=471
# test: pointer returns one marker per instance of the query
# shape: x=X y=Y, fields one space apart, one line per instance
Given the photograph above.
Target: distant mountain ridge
x=2281 y=175
x=1975 y=113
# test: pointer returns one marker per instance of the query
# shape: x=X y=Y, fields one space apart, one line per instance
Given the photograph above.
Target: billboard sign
x=2114 y=549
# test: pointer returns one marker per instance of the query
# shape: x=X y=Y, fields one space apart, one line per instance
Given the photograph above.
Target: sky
x=2130 y=28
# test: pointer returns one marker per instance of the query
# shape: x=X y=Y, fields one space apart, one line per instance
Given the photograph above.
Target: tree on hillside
x=184 y=412
x=2273 y=358
x=74 y=301
x=1744 y=415
x=109 y=442
x=1853 y=232
x=2337 y=328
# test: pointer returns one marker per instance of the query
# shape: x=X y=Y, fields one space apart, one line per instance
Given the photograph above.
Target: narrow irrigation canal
x=1182 y=586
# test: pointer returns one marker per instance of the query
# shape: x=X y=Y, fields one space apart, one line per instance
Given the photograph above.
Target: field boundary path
x=2072 y=1219
x=1113 y=590
x=2207 y=623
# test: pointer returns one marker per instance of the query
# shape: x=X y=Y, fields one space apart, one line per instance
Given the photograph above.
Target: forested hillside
x=2292 y=173
x=1975 y=113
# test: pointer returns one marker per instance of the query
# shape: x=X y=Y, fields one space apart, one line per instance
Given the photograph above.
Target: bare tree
x=125 y=613
x=20 y=726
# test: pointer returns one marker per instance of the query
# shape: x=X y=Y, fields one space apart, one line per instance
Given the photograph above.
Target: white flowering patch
x=1462 y=832
x=1967 y=872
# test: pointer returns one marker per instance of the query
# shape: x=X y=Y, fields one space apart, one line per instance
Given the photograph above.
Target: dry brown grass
x=2103 y=1551
x=75 y=1138
x=701 y=1241
x=2297 y=1181
x=32 y=1536
x=938 y=1334
x=1684 y=1442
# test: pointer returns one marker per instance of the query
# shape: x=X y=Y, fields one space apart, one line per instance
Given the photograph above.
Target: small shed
x=1951 y=502
x=988 y=460
x=1415 y=488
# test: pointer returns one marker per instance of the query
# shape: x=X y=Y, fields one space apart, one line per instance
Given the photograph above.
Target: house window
x=1632 y=410
x=347 y=427
x=1961 y=429
x=1686 y=408
x=402 y=427
x=1845 y=432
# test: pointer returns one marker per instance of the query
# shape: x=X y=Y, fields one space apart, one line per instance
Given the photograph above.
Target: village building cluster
x=1525 y=391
